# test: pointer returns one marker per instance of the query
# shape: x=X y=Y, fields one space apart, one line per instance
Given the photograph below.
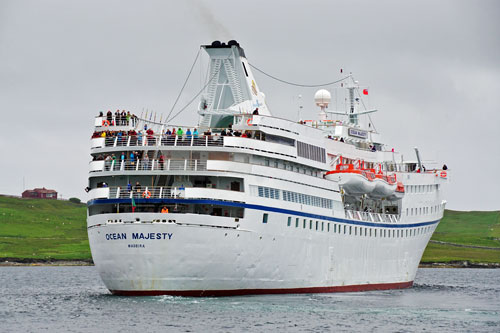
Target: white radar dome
x=322 y=98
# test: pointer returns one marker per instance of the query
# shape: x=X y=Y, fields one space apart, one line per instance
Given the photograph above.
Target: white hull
x=200 y=260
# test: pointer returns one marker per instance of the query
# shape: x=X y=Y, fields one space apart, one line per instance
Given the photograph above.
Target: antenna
x=300 y=107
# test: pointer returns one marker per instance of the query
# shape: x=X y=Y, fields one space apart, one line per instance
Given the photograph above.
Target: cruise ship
x=249 y=203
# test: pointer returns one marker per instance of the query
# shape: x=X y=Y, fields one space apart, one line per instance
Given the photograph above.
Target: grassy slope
x=43 y=229
x=467 y=228
x=46 y=229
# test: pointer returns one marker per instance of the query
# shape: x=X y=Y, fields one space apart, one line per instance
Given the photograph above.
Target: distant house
x=40 y=193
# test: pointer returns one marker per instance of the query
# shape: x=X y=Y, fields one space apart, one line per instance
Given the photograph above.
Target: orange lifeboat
x=353 y=181
x=385 y=186
x=399 y=193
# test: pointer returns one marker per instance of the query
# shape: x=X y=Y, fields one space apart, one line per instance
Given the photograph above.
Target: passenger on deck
x=195 y=133
x=168 y=132
x=124 y=117
x=139 y=138
x=256 y=111
x=164 y=209
x=223 y=132
x=180 y=132
x=445 y=167
x=119 y=135
x=108 y=162
x=132 y=158
x=117 y=117
x=161 y=161
x=208 y=132
x=145 y=162
x=137 y=189
x=188 y=133
x=109 y=116
x=150 y=133
x=342 y=140
x=101 y=114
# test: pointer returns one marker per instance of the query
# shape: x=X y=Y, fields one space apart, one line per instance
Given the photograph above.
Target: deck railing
x=145 y=192
x=152 y=165
x=372 y=217
x=157 y=140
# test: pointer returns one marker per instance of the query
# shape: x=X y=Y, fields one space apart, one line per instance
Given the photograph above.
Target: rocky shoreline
x=89 y=262
x=458 y=264
x=44 y=262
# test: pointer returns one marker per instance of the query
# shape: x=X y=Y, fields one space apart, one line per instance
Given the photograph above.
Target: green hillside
x=55 y=229
x=469 y=229
x=43 y=229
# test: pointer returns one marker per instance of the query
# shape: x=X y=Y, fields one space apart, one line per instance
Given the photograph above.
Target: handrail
x=145 y=192
x=163 y=140
x=372 y=217
x=153 y=165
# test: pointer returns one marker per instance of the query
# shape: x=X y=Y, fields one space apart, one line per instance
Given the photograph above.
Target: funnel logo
x=254 y=88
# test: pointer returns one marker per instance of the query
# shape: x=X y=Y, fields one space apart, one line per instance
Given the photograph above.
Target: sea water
x=74 y=299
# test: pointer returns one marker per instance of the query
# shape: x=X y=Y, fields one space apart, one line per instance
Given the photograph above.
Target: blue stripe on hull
x=257 y=207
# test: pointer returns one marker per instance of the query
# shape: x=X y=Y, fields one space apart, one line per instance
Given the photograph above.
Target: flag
x=133 y=204
x=365 y=91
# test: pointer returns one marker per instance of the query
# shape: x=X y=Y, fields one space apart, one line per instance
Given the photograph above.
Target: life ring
x=146 y=194
x=443 y=174
x=105 y=123
x=249 y=121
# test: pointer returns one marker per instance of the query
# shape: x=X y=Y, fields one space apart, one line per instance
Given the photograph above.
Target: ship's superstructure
x=248 y=203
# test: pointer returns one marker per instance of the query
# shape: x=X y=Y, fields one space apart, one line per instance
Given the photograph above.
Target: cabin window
x=297 y=222
x=310 y=224
x=264 y=218
x=322 y=226
x=304 y=224
x=328 y=226
x=289 y=221
x=317 y=223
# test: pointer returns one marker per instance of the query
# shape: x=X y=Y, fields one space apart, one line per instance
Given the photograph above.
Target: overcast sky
x=432 y=68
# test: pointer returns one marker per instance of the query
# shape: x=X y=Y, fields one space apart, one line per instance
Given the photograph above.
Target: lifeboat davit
x=354 y=181
x=385 y=186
